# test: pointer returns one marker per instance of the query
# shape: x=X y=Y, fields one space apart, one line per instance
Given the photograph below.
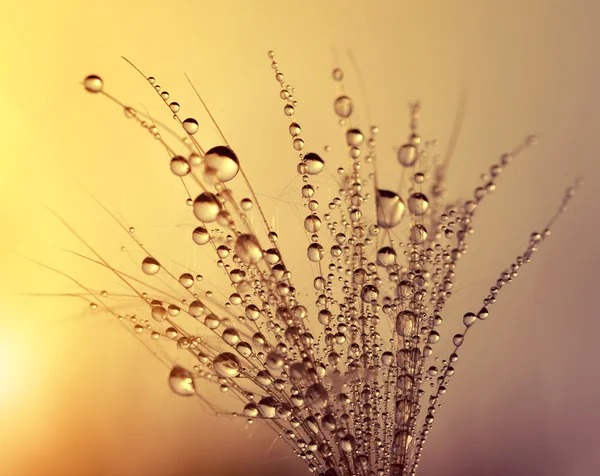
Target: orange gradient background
x=78 y=396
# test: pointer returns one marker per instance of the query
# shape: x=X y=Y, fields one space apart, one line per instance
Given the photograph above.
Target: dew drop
x=206 y=207
x=407 y=155
x=312 y=223
x=314 y=163
x=390 y=208
x=222 y=162
x=200 y=235
x=418 y=204
x=469 y=319
x=227 y=365
x=179 y=166
x=181 y=382
x=190 y=125
x=248 y=249
x=418 y=234
x=343 y=106
x=150 y=266
x=93 y=83
x=315 y=252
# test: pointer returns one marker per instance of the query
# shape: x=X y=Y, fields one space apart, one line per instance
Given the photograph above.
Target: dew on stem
x=348 y=378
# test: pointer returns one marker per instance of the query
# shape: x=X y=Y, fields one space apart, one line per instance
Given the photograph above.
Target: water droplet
x=354 y=137
x=469 y=319
x=390 y=209
x=418 y=234
x=93 y=83
x=418 y=204
x=246 y=204
x=408 y=155
x=180 y=166
x=315 y=252
x=386 y=256
x=227 y=365
x=200 y=235
x=406 y=322
x=190 y=125
x=248 y=249
x=314 y=163
x=181 y=382
x=222 y=162
x=206 y=207
x=150 y=266
x=343 y=106
x=186 y=280
x=312 y=223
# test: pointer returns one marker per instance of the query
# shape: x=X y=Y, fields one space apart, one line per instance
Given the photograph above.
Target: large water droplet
x=343 y=106
x=181 y=382
x=223 y=162
x=418 y=204
x=405 y=323
x=93 y=83
x=408 y=155
x=390 y=208
x=315 y=252
x=248 y=249
x=190 y=125
x=150 y=265
x=180 y=166
x=227 y=365
x=200 y=236
x=314 y=163
x=206 y=207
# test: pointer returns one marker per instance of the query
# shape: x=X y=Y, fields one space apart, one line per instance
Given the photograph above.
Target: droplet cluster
x=347 y=375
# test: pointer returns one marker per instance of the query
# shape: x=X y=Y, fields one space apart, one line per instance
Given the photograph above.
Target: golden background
x=79 y=397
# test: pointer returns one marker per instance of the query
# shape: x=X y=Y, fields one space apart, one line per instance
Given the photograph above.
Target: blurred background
x=78 y=395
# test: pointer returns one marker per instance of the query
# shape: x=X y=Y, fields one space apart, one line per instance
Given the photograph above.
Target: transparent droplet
x=186 y=280
x=248 y=249
x=206 y=207
x=406 y=323
x=181 y=382
x=418 y=204
x=386 y=256
x=227 y=365
x=222 y=162
x=315 y=252
x=200 y=235
x=354 y=137
x=93 y=83
x=314 y=163
x=408 y=155
x=190 y=125
x=343 y=106
x=180 y=166
x=469 y=319
x=390 y=209
x=150 y=266
x=418 y=234
x=312 y=223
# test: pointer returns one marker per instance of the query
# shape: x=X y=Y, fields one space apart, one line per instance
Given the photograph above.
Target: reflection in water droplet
x=227 y=365
x=248 y=249
x=150 y=265
x=181 y=382
x=222 y=162
x=314 y=163
x=190 y=125
x=390 y=209
x=343 y=106
x=93 y=83
x=206 y=207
